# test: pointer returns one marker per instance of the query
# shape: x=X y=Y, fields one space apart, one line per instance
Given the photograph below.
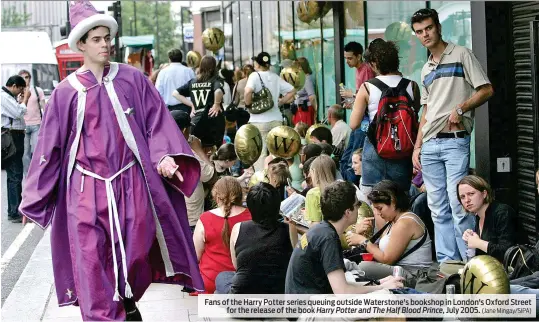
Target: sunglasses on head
x=424 y=13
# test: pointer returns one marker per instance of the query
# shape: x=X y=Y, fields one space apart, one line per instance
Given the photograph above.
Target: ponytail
x=227 y=192
x=225 y=233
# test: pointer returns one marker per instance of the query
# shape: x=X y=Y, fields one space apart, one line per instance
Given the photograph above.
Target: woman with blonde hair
x=322 y=172
x=496 y=224
x=212 y=232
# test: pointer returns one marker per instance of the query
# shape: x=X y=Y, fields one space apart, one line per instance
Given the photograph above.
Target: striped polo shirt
x=448 y=83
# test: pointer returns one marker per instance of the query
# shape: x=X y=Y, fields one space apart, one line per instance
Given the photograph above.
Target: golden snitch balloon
x=288 y=51
x=308 y=10
x=484 y=275
x=283 y=141
x=193 y=59
x=294 y=76
x=213 y=39
x=310 y=130
x=257 y=177
x=248 y=144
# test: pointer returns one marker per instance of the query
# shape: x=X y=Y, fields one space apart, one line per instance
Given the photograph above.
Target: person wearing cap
x=109 y=174
x=277 y=86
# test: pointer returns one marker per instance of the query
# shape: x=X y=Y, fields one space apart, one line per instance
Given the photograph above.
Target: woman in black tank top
x=260 y=248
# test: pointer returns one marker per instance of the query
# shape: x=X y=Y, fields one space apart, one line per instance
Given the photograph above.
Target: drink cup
x=398 y=271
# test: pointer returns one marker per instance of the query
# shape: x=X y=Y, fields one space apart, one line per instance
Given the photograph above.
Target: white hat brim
x=89 y=23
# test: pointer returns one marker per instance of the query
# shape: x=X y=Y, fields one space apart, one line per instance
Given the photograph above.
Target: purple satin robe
x=151 y=209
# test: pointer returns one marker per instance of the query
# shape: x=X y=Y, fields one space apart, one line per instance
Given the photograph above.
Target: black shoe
x=16 y=219
x=131 y=311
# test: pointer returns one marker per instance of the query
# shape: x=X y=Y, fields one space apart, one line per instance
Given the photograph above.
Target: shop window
x=236 y=34
x=270 y=30
x=354 y=30
x=257 y=30
x=246 y=32
x=391 y=21
x=328 y=54
x=308 y=44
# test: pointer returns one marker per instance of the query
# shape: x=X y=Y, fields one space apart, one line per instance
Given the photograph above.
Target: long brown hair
x=227 y=192
x=207 y=69
x=323 y=171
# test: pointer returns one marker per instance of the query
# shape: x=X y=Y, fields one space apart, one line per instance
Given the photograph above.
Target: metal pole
x=135 y=16
x=157 y=51
x=68 y=24
x=183 y=31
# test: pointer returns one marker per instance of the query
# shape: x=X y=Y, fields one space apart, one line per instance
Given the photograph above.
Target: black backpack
x=521 y=260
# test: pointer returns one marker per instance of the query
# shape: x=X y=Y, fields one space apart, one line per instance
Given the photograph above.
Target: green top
x=296 y=173
x=313 y=211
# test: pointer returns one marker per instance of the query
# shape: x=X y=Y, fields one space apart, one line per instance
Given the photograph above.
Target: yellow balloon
x=310 y=130
x=398 y=31
x=248 y=144
x=257 y=177
x=294 y=76
x=484 y=275
x=193 y=59
x=283 y=141
x=308 y=10
x=213 y=39
x=288 y=51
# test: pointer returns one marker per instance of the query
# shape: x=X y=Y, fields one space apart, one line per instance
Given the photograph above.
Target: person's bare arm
x=483 y=93
x=183 y=99
x=233 y=238
x=199 y=240
x=288 y=98
x=419 y=141
x=360 y=105
x=401 y=235
x=340 y=286
x=314 y=103
x=248 y=96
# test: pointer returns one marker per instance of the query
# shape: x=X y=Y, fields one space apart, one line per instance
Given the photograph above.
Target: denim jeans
x=14 y=176
x=223 y=282
x=357 y=137
x=30 y=141
x=375 y=169
x=517 y=289
x=445 y=162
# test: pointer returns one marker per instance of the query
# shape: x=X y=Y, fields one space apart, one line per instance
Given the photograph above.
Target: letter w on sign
x=282 y=143
x=201 y=96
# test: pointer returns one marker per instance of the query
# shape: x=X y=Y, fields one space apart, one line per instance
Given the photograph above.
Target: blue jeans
x=14 y=176
x=375 y=169
x=445 y=162
x=223 y=282
x=357 y=137
x=30 y=141
x=517 y=289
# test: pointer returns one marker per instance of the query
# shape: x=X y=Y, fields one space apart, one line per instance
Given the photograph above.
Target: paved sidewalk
x=33 y=298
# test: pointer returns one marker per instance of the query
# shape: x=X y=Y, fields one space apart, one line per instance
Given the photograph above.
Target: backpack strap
x=379 y=233
x=403 y=84
x=378 y=83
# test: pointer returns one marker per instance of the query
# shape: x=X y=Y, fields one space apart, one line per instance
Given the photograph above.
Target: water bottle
x=450 y=295
x=470 y=253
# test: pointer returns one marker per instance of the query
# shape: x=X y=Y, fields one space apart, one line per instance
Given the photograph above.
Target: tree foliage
x=161 y=24
x=12 y=18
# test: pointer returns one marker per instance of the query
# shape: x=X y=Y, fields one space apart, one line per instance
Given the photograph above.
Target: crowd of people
x=411 y=203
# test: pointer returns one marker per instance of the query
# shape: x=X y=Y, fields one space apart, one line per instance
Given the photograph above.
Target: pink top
x=363 y=73
x=32 y=116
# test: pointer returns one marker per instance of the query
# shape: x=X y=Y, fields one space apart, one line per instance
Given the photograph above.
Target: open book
x=291 y=208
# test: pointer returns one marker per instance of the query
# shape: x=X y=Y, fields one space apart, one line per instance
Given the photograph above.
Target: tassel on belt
x=114 y=221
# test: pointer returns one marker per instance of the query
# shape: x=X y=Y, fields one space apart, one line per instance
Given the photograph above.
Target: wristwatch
x=459 y=111
x=364 y=243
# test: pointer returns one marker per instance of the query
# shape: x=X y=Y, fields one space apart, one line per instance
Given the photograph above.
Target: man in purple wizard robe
x=110 y=171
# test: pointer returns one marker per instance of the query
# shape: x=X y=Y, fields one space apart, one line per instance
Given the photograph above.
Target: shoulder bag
x=262 y=100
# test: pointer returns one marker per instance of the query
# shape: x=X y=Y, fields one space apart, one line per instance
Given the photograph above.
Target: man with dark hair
x=111 y=182
x=13 y=111
x=322 y=134
x=317 y=263
x=353 y=53
x=174 y=76
x=454 y=85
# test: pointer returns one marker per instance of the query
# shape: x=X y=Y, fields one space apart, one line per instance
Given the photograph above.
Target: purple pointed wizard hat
x=83 y=17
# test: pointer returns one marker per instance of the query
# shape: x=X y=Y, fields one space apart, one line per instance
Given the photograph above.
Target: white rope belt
x=113 y=221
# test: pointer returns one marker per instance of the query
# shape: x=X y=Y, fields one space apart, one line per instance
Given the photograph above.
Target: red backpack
x=394 y=129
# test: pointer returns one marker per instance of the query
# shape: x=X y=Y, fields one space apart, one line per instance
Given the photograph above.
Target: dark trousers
x=180 y=107
x=14 y=175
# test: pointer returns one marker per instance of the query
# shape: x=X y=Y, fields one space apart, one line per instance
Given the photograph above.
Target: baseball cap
x=262 y=59
x=182 y=119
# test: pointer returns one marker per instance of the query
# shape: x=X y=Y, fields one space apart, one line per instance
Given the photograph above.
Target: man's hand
x=353 y=239
x=416 y=158
x=347 y=93
x=214 y=110
x=168 y=168
x=392 y=282
x=454 y=117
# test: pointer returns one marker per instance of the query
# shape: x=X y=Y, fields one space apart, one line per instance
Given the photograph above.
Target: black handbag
x=521 y=260
x=231 y=110
x=8 y=145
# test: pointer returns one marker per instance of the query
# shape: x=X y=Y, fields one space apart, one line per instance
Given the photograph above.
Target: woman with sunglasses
x=405 y=241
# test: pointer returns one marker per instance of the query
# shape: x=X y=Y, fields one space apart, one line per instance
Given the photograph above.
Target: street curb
x=29 y=298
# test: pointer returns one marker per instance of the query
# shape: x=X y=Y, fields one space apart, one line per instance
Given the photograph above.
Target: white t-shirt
x=276 y=86
x=375 y=93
